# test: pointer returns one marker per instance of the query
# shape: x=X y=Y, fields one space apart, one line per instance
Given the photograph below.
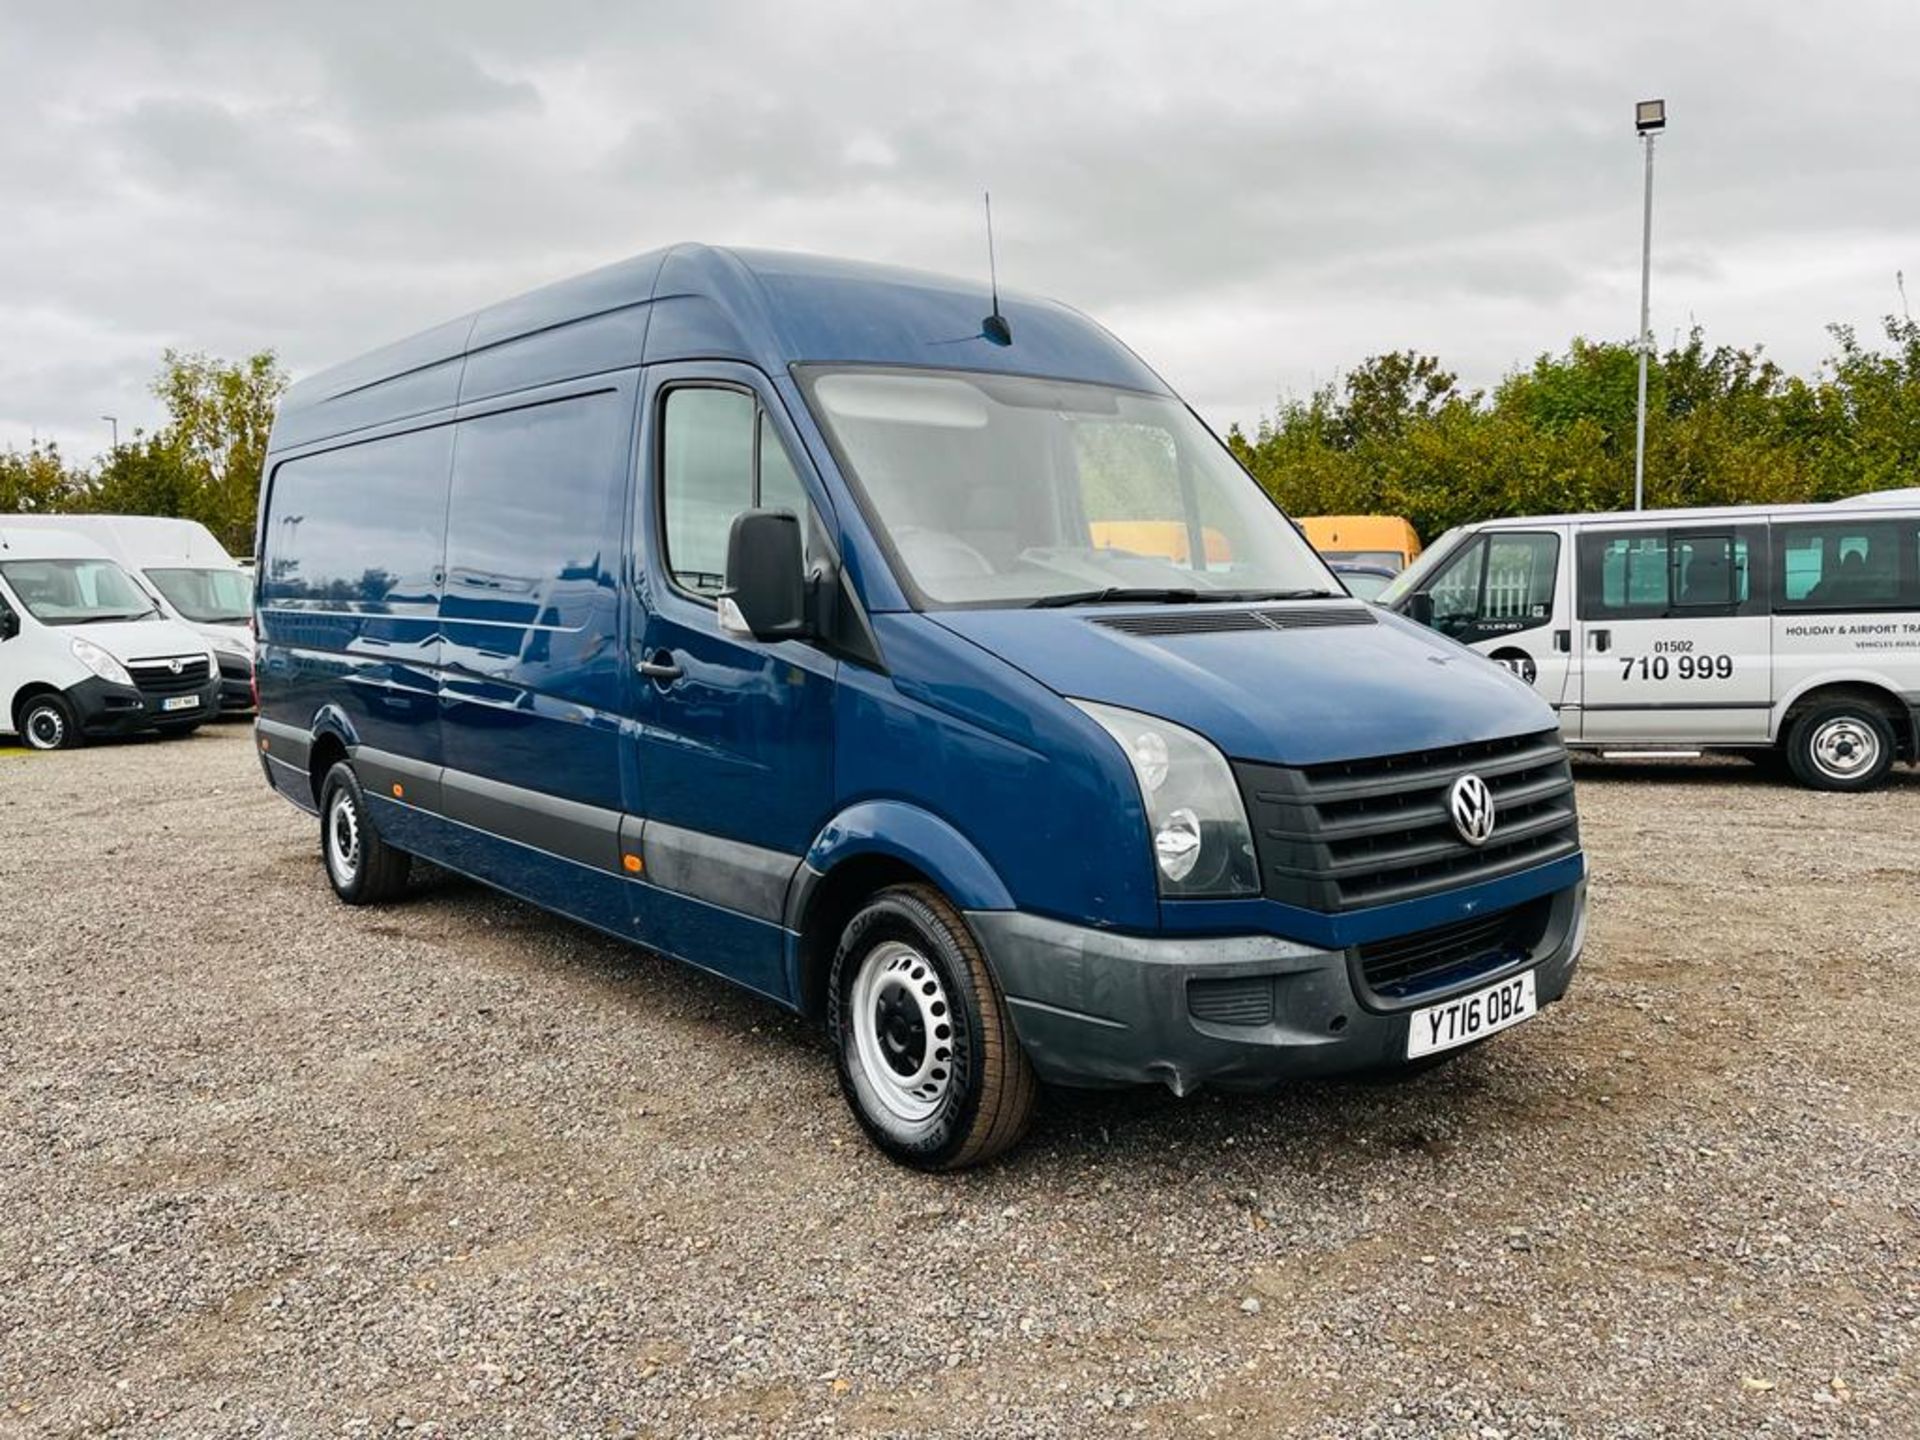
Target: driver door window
x=1498 y=585
x=720 y=455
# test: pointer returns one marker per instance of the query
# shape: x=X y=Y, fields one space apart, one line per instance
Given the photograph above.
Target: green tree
x=34 y=481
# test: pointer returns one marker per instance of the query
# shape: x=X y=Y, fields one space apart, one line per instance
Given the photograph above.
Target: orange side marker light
x=632 y=864
x=399 y=791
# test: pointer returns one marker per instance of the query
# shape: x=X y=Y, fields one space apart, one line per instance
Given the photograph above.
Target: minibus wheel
x=47 y=723
x=927 y=1053
x=1841 y=745
x=362 y=868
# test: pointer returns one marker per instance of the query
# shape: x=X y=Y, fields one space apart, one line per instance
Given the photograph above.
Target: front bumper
x=106 y=710
x=236 y=684
x=1094 y=1008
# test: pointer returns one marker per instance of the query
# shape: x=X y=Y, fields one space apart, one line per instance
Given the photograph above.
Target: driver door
x=735 y=740
x=1502 y=593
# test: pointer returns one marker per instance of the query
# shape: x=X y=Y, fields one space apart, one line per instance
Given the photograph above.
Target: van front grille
x=158 y=677
x=1367 y=832
x=1448 y=955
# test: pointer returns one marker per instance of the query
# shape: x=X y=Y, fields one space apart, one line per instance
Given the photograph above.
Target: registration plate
x=1468 y=1018
x=181 y=702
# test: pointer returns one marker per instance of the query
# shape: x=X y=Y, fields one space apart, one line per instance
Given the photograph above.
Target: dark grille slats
x=155 y=677
x=1371 y=832
x=1409 y=965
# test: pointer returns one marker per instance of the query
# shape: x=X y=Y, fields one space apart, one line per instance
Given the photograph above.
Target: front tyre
x=927 y=1054
x=362 y=868
x=1841 y=745
x=47 y=723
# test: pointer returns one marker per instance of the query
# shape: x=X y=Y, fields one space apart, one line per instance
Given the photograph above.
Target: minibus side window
x=1709 y=570
x=1840 y=565
x=720 y=455
x=1634 y=573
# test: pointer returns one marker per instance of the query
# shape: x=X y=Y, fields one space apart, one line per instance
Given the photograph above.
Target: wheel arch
x=1897 y=709
x=333 y=741
x=860 y=852
x=25 y=696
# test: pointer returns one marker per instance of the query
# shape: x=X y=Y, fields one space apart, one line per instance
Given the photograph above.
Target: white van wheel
x=47 y=723
x=1841 y=745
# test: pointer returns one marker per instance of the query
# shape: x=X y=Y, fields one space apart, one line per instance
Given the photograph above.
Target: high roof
x=696 y=302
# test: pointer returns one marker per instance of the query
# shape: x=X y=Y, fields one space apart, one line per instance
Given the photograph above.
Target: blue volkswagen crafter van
x=945 y=680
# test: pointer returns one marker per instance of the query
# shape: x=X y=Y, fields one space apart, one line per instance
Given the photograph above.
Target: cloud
x=1255 y=196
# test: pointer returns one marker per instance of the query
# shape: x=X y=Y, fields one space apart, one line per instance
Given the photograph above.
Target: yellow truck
x=1383 y=540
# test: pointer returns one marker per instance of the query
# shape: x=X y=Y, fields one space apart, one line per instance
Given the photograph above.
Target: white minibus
x=1789 y=632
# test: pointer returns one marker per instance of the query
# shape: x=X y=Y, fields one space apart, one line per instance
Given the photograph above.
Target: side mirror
x=1420 y=608
x=766 y=594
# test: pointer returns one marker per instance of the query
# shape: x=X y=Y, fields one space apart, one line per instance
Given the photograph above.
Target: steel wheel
x=46 y=728
x=903 y=1030
x=343 y=839
x=1844 y=748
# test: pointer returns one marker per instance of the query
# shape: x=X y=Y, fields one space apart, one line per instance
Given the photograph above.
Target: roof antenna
x=994 y=327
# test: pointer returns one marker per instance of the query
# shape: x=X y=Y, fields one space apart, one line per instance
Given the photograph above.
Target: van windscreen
x=1012 y=490
x=206 y=596
x=76 y=592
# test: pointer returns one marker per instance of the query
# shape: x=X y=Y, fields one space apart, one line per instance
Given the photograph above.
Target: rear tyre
x=362 y=868
x=1843 y=745
x=927 y=1053
x=47 y=723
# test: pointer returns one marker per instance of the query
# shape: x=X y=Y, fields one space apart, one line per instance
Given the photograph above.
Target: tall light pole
x=114 y=421
x=1649 y=119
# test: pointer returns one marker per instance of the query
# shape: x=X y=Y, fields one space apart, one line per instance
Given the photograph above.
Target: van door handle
x=1602 y=640
x=660 y=666
x=1563 y=641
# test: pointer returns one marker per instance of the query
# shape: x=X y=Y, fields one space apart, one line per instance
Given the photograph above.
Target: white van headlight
x=1202 y=845
x=100 y=662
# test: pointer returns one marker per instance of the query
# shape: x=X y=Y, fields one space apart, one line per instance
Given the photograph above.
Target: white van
x=84 y=651
x=189 y=575
x=1790 y=631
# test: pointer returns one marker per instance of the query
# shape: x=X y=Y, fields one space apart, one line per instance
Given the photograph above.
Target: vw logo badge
x=174 y=665
x=1472 y=806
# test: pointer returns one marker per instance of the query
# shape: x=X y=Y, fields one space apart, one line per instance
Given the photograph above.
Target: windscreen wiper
x=1118 y=594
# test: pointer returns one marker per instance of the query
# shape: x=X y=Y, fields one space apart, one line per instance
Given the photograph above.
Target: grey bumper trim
x=1094 y=1008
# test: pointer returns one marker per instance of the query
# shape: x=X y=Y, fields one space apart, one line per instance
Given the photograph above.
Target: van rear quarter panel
x=349 y=589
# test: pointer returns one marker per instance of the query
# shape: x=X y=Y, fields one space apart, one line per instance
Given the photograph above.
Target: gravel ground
x=271 y=1166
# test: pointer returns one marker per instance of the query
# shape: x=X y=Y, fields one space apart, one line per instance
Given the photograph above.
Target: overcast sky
x=1255 y=196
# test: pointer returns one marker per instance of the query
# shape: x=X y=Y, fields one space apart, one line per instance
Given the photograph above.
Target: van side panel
x=349 y=589
x=533 y=683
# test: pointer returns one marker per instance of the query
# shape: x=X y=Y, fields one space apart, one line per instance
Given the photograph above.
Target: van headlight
x=100 y=662
x=1202 y=845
